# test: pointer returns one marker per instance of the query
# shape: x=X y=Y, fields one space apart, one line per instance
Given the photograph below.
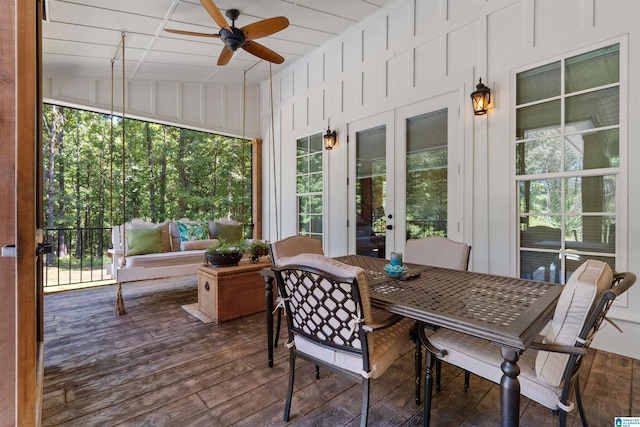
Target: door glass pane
x=371 y=170
x=426 y=183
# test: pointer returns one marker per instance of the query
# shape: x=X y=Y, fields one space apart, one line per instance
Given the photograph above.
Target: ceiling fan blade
x=263 y=52
x=191 y=33
x=264 y=28
x=215 y=13
x=225 y=56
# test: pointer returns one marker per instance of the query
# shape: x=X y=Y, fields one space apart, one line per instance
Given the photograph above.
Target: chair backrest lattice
x=322 y=308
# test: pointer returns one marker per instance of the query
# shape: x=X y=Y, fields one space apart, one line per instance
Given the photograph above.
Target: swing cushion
x=167 y=259
x=142 y=241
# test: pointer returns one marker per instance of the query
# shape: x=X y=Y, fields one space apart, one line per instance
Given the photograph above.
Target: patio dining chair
x=295 y=245
x=442 y=252
x=438 y=251
x=549 y=368
x=287 y=247
x=330 y=324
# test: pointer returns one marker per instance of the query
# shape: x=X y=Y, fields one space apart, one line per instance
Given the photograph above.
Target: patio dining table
x=509 y=312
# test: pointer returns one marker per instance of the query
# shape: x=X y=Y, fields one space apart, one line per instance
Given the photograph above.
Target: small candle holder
x=396 y=258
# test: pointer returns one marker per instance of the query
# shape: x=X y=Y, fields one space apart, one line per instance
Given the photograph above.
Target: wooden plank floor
x=159 y=366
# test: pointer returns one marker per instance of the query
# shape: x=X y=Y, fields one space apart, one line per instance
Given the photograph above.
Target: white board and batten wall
x=408 y=52
x=207 y=107
x=415 y=50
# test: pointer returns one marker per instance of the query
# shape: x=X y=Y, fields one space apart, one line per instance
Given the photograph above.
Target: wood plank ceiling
x=80 y=37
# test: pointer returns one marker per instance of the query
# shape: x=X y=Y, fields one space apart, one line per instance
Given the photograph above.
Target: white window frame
x=321 y=235
x=621 y=172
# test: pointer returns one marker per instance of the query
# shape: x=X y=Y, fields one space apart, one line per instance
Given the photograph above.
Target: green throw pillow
x=229 y=232
x=142 y=241
x=193 y=231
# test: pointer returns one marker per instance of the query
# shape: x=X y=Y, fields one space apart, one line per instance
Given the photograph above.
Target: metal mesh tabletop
x=506 y=310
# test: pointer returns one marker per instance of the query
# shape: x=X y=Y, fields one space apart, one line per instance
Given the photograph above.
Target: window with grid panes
x=567 y=163
x=309 y=185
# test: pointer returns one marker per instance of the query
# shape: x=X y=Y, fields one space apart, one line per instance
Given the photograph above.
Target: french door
x=371 y=184
x=405 y=178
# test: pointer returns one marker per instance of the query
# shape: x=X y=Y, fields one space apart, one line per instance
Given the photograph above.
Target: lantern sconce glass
x=481 y=98
x=330 y=140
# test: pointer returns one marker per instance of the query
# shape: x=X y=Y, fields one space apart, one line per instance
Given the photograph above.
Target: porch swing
x=178 y=258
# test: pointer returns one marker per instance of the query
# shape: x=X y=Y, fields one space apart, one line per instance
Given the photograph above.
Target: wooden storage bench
x=226 y=293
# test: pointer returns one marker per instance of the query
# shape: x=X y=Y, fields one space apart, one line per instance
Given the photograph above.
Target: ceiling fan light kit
x=235 y=38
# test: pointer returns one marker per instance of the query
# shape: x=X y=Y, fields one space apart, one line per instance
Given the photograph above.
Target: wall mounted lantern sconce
x=330 y=139
x=481 y=97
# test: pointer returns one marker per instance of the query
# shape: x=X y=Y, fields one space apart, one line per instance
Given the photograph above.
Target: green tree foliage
x=169 y=172
x=427 y=193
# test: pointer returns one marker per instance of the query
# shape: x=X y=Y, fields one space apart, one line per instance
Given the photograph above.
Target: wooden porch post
x=256 y=187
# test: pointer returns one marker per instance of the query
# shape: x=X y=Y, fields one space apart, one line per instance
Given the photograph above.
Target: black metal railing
x=78 y=255
x=424 y=228
x=415 y=228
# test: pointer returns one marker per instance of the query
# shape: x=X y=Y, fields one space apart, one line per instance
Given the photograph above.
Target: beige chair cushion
x=437 y=251
x=385 y=346
x=294 y=245
x=484 y=359
x=583 y=289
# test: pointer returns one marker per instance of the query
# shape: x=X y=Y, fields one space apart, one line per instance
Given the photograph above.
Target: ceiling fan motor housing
x=232 y=39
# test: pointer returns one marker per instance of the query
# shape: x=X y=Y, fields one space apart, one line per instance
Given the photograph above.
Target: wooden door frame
x=20 y=393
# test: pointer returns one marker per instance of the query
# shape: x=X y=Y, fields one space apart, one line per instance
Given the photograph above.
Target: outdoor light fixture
x=481 y=98
x=329 y=139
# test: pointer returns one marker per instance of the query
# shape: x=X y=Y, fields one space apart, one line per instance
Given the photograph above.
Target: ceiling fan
x=234 y=38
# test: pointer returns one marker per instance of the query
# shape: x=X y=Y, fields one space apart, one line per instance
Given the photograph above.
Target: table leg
x=268 y=295
x=510 y=388
x=428 y=389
